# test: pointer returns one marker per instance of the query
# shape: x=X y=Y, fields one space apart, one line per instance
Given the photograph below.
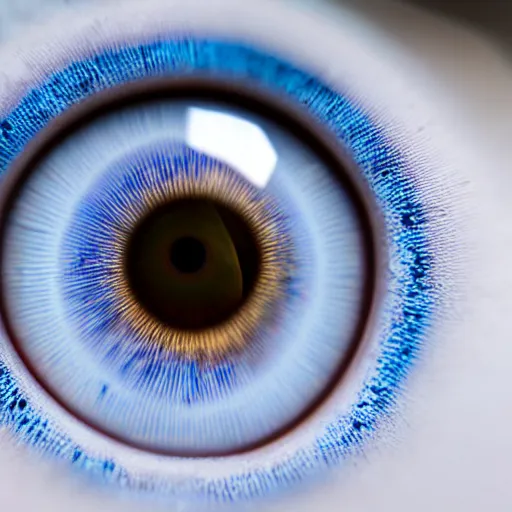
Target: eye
x=224 y=314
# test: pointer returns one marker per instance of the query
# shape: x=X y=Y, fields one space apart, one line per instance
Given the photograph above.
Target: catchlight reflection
x=238 y=142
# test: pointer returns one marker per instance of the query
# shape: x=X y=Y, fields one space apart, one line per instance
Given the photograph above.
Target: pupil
x=192 y=263
x=188 y=255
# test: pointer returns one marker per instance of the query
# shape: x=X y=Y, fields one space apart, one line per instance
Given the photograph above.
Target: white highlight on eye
x=237 y=141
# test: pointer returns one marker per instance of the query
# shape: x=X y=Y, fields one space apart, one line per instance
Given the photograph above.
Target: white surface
x=454 y=450
x=240 y=143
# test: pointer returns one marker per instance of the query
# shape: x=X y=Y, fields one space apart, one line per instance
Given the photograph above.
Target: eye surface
x=415 y=182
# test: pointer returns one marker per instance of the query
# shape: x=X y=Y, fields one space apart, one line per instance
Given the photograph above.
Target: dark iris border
x=223 y=93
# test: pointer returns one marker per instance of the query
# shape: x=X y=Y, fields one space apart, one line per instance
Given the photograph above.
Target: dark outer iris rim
x=251 y=97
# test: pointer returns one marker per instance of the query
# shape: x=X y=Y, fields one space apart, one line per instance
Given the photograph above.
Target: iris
x=202 y=271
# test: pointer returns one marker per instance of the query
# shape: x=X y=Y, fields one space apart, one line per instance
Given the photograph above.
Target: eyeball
x=220 y=259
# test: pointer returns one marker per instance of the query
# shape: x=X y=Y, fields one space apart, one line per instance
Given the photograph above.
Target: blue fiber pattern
x=382 y=165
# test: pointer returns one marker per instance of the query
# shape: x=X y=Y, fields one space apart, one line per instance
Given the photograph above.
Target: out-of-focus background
x=493 y=16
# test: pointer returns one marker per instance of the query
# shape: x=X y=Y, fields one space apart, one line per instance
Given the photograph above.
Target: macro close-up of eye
x=254 y=256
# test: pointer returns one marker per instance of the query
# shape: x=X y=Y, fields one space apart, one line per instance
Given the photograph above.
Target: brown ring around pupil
x=178 y=330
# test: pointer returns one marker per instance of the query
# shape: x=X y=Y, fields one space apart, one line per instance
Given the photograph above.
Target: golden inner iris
x=215 y=184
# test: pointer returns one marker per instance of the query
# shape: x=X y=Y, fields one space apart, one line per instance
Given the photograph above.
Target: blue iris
x=383 y=167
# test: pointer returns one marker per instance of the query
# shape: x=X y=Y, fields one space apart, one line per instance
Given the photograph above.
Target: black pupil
x=188 y=255
x=192 y=263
